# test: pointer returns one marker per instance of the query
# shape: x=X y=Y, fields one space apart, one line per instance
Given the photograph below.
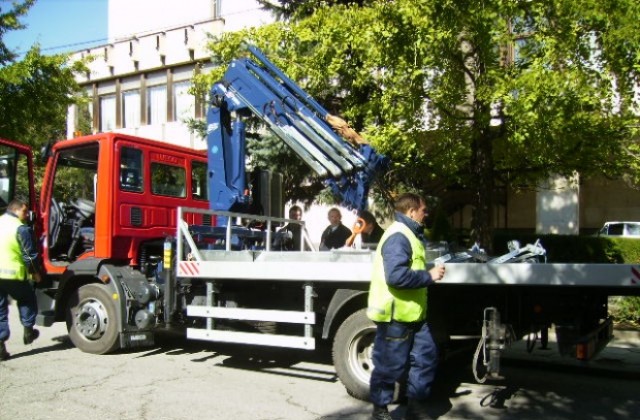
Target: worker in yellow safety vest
x=398 y=305
x=18 y=257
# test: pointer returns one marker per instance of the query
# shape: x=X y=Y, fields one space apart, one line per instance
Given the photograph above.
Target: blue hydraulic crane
x=254 y=85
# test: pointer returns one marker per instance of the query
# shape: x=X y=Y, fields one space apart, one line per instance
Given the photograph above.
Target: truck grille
x=136 y=216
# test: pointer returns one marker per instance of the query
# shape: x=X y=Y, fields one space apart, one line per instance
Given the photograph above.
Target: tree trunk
x=482 y=169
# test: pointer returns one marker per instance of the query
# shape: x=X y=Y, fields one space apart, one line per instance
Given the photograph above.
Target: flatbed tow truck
x=162 y=238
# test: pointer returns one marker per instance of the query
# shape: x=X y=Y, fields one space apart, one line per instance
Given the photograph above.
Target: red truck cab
x=108 y=202
x=113 y=196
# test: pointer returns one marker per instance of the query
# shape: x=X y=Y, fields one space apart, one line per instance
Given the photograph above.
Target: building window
x=168 y=180
x=84 y=120
x=131 y=109
x=521 y=29
x=131 y=170
x=183 y=102
x=107 y=113
x=156 y=105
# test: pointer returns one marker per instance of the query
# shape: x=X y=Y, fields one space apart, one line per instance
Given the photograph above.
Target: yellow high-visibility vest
x=387 y=302
x=11 y=263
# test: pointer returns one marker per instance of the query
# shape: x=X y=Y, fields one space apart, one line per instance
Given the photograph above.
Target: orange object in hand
x=358 y=227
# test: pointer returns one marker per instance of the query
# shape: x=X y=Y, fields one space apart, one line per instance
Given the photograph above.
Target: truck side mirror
x=45 y=152
x=31 y=217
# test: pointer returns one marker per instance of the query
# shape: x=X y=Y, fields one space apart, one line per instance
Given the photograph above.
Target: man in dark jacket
x=18 y=257
x=398 y=306
x=289 y=238
x=372 y=232
x=336 y=234
x=369 y=230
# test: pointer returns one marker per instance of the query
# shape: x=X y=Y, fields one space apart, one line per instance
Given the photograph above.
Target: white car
x=622 y=229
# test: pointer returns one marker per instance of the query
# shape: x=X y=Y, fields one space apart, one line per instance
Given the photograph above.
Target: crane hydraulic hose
x=493 y=339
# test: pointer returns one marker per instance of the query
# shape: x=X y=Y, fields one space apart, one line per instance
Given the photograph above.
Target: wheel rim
x=360 y=355
x=91 y=319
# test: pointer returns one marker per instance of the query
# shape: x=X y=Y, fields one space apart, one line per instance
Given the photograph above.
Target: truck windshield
x=71 y=209
x=75 y=175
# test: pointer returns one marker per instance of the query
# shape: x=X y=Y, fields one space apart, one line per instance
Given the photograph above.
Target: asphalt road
x=181 y=379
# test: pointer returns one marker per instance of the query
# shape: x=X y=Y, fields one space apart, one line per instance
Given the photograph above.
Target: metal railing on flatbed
x=243 y=252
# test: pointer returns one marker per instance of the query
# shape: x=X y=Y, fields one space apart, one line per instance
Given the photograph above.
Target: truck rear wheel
x=352 y=347
x=91 y=320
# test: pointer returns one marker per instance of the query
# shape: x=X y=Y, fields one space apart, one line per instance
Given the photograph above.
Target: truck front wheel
x=352 y=348
x=91 y=320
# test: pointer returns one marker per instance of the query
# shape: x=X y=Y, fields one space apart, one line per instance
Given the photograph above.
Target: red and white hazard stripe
x=635 y=279
x=188 y=268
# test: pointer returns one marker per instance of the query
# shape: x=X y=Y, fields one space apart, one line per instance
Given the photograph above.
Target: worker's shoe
x=4 y=354
x=380 y=413
x=417 y=410
x=30 y=334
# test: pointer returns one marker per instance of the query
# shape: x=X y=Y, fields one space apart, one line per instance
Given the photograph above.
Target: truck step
x=45 y=319
x=245 y=314
x=274 y=340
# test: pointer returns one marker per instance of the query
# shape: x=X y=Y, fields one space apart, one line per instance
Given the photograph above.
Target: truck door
x=16 y=174
x=69 y=208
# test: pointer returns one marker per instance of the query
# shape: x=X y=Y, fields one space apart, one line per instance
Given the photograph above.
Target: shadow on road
x=526 y=393
x=452 y=372
x=278 y=366
x=62 y=343
x=275 y=361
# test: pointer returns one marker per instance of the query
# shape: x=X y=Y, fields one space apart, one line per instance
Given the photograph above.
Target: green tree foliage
x=471 y=95
x=36 y=91
x=269 y=152
x=300 y=9
x=35 y=94
x=10 y=21
x=626 y=310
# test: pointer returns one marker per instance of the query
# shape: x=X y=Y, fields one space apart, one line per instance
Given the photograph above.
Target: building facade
x=138 y=83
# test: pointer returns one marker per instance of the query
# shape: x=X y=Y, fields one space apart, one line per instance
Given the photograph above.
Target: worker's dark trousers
x=400 y=346
x=22 y=292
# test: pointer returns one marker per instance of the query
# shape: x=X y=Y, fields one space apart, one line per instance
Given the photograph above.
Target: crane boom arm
x=255 y=86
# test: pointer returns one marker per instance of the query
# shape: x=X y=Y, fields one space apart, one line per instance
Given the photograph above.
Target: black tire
x=352 y=348
x=92 y=321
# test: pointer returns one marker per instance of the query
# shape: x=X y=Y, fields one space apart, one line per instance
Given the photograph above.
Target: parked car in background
x=622 y=229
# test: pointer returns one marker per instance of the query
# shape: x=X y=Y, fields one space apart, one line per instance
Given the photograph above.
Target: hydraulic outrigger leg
x=492 y=342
